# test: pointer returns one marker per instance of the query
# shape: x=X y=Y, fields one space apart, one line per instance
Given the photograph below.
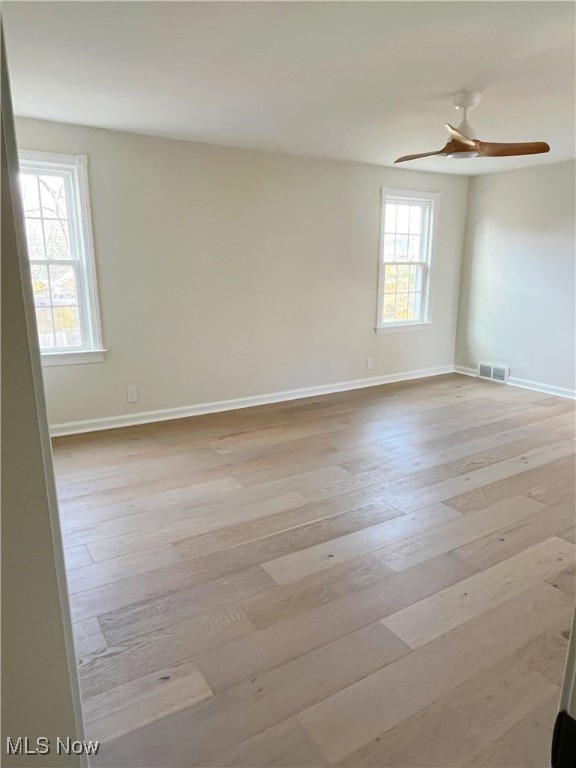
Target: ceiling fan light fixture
x=462 y=155
x=464 y=145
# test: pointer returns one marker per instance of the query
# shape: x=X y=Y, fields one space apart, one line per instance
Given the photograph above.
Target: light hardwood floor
x=382 y=577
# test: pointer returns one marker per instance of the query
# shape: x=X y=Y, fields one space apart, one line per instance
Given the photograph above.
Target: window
x=405 y=255
x=59 y=234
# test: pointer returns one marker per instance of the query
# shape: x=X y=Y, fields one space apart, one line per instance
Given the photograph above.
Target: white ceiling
x=365 y=81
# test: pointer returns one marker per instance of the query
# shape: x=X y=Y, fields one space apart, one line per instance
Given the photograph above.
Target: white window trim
x=94 y=350
x=73 y=358
x=431 y=237
x=405 y=327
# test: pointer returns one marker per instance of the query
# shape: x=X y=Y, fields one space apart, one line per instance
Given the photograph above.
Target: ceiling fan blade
x=493 y=149
x=455 y=133
x=404 y=158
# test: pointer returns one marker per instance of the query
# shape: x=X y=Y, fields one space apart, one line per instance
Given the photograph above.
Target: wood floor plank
x=547 y=652
x=156 y=613
x=532 y=737
x=139 y=503
x=132 y=705
x=196 y=523
x=110 y=479
x=175 y=577
x=498 y=755
x=303 y=460
x=285 y=744
x=512 y=538
x=451 y=535
x=292 y=567
x=479 y=711
x=551 y=483
x=508 y=420
x=203 y=511
x=118 y=568
x=569 y=534
x=565 y=580
x=419 y=470
x=307 y=514
x=345 y=721
x=139 y=656
x=434 y=616
x=335 y=526
x=267 y=436
x=428 y=454
x=410 y=501
x=217 y=468
x=324 y=586
x=415 y=425
x=299 y=633
x=239 y=713
x=468 y=430
x=76 y=557
x=88 y=638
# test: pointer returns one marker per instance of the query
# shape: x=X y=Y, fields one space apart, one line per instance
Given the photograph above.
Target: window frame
x=431 y=200
x=75 y=170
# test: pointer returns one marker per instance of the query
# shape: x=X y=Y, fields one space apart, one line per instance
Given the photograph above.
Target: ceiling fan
x=461 y=145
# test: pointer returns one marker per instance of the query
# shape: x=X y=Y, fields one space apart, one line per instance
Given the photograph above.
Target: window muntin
x=58 y=231
x=406 y=240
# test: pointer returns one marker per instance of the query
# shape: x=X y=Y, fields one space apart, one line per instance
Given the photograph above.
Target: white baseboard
x=146 y=417
x=536 y=386
x=466 y=371
x=546 y=389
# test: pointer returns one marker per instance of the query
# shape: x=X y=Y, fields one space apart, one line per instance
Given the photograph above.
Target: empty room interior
x=289 y=320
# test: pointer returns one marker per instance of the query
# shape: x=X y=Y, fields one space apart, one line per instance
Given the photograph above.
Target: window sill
x=73 y=358
x=404 y=327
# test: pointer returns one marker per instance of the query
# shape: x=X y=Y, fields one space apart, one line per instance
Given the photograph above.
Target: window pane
x=390 y=278
x=390 y=218
x=63 y=283
x=401 y=247
x=67 y=327
x=412 y=306
x=401 y=313
x=403 y=278
x=412 y=281
x=389 y=304
x=402 y=219
x=30 y=199
x=40 y=285
x=415 y=219
x=35 y=239
x=389 y=244
x=53 y=196
x=57 y=241
x=414 y=248
x=45 y=328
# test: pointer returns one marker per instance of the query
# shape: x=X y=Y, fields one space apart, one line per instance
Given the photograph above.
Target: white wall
x=518 y=279
x=40 y=695
x=228 y=273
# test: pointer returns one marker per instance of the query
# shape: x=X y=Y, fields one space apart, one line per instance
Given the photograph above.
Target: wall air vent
x=485 y=371
x=493 y=372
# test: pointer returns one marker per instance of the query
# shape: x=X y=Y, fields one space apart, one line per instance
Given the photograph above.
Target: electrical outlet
x=132 y=394
x=369 y=363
